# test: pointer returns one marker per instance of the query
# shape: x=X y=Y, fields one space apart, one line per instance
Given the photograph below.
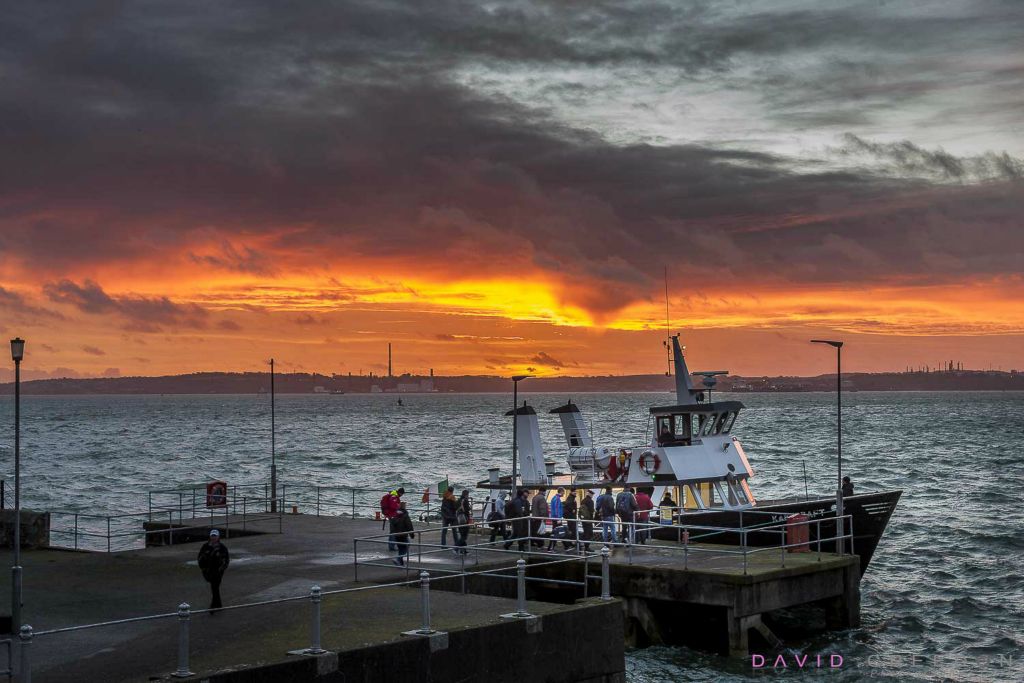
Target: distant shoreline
x=207 y=383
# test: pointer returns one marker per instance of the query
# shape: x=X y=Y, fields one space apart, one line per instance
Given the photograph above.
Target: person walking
x=449 y=516
x=463 y=519
x=539 y=512
x=401 y=531
x=497 y=518
x=556 y=519
x=644 y=506
x=587 y=519
x=605 y=504
x=626 y=507
x=213 y=561
x=517 y=511
x=389 y=508
x=570 y=510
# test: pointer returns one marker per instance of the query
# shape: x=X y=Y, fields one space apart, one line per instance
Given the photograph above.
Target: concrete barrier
x=35 y=529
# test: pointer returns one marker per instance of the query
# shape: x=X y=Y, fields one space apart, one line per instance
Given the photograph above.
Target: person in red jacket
x=644 y=506
x=389 y=508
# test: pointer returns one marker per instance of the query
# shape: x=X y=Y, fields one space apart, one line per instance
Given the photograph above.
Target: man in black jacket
x=213 y=561
x=518 y=511
x=401 y=531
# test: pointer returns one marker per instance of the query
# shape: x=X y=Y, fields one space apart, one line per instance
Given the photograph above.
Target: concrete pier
x=361 y=632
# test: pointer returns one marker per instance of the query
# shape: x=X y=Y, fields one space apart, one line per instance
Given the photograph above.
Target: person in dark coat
x=463 y=518
x=213 y=561
x=847 y=487
x=569 y=511
x=518 y=511
x=401 y=531
x=449 y=516
x=586 y=515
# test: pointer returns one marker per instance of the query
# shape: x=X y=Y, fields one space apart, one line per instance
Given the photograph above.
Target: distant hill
x=304 y=383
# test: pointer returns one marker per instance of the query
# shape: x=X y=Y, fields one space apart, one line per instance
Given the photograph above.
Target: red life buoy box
x=798 y=533
x=217 y=494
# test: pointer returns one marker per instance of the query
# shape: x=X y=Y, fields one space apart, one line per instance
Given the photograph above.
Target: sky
x=501 y=187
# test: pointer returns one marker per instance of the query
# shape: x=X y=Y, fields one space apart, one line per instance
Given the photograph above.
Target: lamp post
x=17 y=353
x=838 y=346
x=515 y=431
x=273 y=444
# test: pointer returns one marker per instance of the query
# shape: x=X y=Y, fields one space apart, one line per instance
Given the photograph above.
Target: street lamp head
x=17 y=349
x=836 y=344
x=517 y=378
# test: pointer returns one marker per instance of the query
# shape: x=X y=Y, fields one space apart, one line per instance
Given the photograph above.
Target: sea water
x=942 y=600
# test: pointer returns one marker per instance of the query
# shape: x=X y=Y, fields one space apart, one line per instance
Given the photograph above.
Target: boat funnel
x=493 y=476
x=576 y=433
x=531 y=454
x=685 y=393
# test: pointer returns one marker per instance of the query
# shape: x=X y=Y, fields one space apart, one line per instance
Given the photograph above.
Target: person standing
x=213 y=561
x=644 y=506
x=587 y=519
x=539 y=513
x=847 y=487
x=449 y=516
x=666 y=508
x=570 y=509
x=463 y=519
x=626 y=507
x=606 y=514
x=401 y=531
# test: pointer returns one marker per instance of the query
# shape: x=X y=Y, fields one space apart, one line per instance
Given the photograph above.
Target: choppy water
x=943 y=600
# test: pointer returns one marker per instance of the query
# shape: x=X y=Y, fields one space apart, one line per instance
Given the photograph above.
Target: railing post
x=520 y=612
x=244 y=499
x=317 y=501
x=170 y=528
x=425 y=592
x=184 y=616
x=743 y=534
x=606 y=583
x=76 y=531
x=819 y=539
x=314 y=647
x=355 y=557
x=25 y=635
x=353 y=503
x=108 y=533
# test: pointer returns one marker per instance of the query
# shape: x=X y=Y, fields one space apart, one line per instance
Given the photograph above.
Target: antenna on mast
x=668 y=331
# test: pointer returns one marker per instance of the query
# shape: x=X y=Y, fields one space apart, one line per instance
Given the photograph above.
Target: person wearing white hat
x=213 y=561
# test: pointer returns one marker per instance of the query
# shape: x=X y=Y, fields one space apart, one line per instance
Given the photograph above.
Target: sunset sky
x=192 y=186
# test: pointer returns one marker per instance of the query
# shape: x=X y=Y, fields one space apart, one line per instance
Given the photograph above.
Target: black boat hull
x=870 y=513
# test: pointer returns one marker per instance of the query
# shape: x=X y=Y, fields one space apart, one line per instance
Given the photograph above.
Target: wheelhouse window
x=727 y=421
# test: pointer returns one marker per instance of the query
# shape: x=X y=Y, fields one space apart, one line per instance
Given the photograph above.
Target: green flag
x=442 y=486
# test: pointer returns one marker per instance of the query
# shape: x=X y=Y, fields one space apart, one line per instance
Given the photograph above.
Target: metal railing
x=316 y=596
x=126 y=531
x=770 y=534
x=314 y=499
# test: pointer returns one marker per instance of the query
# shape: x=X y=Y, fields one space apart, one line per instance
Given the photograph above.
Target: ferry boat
x=694 y=455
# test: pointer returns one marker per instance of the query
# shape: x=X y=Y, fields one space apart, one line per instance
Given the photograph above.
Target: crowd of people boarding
x=572 y=518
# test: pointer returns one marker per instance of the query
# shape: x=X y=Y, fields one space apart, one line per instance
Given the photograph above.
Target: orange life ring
x=649 y=462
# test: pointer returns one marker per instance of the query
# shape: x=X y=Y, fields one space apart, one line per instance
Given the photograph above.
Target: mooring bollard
x=425 y=592
x=25 y=635
x=315 y=597
x=184 y=616
x=606 y=584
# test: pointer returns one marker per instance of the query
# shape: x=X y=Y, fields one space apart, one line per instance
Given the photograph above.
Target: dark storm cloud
x=134 y=131
x=143 y=314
